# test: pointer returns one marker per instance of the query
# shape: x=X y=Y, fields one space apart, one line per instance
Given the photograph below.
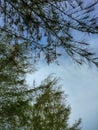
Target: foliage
x=39 y=28
x=42 y=107
x=46 y=26
x=50 y=111
x=47 y=109
x=13 y=67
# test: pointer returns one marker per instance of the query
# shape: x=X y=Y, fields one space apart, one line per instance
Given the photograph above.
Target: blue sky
x=81 y=85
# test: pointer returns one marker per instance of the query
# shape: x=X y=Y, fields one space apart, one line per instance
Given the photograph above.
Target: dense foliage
x=42 y=107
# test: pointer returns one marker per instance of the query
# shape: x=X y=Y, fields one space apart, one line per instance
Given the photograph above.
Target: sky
x=80 y=83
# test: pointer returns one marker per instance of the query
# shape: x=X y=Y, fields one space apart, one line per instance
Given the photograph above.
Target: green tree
x=14 y=64
x=38 y=108
x=46 y=26
x=50 y=110
x=46 y=109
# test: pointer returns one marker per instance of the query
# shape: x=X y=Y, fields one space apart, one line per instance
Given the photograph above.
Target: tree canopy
x=40 y=108
x=31 y=29
x=13 y=67
x=46 y=26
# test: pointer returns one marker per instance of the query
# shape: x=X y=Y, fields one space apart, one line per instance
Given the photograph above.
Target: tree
x=46 y=110
x=46 y=27
x=50 y=111
x=38 y=108
x=14 y=65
